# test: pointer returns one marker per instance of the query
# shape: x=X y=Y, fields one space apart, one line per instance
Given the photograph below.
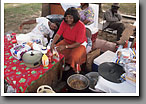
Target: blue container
x=94 y=67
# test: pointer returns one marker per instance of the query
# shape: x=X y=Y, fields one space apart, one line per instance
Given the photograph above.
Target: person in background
x=113 y=20
x=43 y=30
x=73 y=46
x=87 y=17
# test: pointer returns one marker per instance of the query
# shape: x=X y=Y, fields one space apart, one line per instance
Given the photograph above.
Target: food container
x=78 y=83
x=32 y=58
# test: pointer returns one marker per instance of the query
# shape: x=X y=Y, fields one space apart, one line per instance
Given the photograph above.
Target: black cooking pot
x=111 y=71
x=78 y=83
x=55 y=18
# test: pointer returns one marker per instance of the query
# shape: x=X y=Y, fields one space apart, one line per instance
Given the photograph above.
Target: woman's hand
x=52 y=47
x=56 y=37
x=61 y=48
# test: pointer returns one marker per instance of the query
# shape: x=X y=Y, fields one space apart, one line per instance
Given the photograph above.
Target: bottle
x=131 y=38
x=78 y=68
x=120 y=47
x=9 y=37
x=44 y=50
x=48 y=46
x=50 y=57
x=45 y=60
x=55 y=54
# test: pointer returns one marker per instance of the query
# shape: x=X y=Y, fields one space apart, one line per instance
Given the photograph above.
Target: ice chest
x=107 y=56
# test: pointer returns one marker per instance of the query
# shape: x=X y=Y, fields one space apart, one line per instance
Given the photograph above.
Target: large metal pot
x=32 y=58
x=78 y=83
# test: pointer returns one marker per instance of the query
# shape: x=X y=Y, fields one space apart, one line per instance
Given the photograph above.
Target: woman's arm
x=74 y=45
x=62 y=47
x=55 y=39
x=86 y=21
x=27 y=22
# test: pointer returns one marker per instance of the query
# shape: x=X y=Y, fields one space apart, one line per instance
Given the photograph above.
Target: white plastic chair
x=94 y=26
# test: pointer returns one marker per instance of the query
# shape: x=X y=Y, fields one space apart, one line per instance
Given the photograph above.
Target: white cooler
x=110 y=87
x=105 y=85
x=107 y=56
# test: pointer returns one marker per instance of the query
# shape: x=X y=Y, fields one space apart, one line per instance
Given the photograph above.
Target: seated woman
x=73 y=32
x=87 y=17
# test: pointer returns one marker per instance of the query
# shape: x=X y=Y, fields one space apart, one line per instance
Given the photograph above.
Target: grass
x=21 y=9
x=15 y=14
x=125 y=8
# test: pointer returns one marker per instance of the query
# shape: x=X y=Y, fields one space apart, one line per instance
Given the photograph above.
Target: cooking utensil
x=32 y=58
x=78 y=83
x=111 y=71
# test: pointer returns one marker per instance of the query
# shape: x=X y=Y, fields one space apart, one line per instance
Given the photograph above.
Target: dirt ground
x=101 y=35
x=112 y=37
x=13 y=21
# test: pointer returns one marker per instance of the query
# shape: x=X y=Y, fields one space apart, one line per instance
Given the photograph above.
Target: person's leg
x=66 y=51
x=66 y=54
x=74 y=56
x=119 y=27
x=120 y=31
x=126 y=34
x=77 y=56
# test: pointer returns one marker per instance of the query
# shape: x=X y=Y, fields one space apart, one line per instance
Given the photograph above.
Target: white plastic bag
x=18 y=50
x=22 y=38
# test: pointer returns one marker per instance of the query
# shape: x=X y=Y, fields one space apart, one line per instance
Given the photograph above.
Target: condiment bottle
x=45 y=60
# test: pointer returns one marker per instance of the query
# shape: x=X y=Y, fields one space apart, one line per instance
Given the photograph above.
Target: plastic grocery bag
x=19 y=50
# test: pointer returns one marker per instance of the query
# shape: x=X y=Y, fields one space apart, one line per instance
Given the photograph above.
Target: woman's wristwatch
x=66 y=46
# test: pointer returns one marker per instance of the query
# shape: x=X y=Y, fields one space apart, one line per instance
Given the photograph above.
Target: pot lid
x=32 y=56
x=111 y=71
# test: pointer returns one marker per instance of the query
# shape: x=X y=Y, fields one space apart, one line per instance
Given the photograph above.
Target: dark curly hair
x=72 y=11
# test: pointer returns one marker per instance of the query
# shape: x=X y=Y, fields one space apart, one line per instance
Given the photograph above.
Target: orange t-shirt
x=76 y=34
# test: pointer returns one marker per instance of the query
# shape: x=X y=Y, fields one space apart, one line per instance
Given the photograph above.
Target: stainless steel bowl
x=78 y=77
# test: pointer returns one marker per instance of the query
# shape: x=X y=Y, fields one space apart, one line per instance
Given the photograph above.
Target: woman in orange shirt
x=74 y=42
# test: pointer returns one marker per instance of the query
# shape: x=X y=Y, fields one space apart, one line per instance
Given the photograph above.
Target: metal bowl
x=78 y=82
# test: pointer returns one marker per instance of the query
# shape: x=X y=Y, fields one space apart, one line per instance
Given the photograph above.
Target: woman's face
x=53 y=26
x=69 y=19
x=82 y=4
